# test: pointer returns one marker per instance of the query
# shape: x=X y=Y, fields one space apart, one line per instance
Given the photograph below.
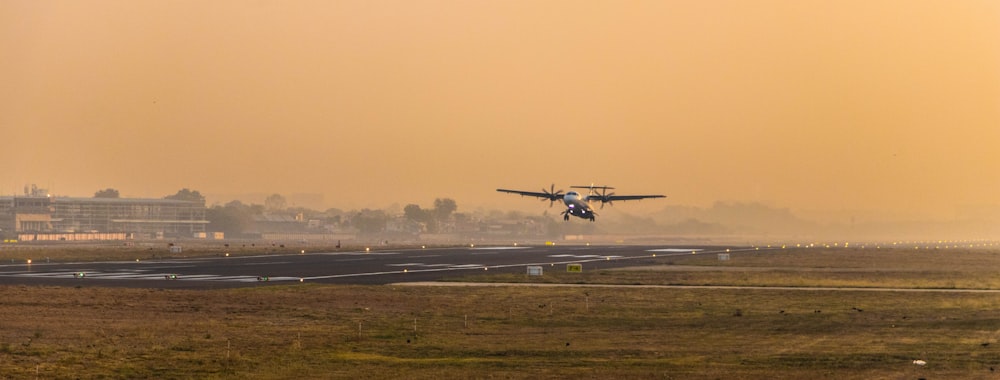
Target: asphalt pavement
x=348 y=267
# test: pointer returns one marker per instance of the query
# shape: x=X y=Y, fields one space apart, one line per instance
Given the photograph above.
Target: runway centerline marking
x=497 y=248
x=675 y=250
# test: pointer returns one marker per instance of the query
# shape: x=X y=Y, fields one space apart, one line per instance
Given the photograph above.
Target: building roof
x=110 y=200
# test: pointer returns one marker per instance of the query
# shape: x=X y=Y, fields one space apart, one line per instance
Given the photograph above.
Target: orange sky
x=884 y=107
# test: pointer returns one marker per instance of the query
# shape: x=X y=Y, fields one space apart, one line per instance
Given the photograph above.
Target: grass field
x=500 y=332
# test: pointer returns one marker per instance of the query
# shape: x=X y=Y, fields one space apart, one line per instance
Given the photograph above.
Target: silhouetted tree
x=187 y=195
x=370 y=221
x=333 y=216
x=233 y=219
x=414 y=213
x=443 y=207
x=275 y=202
x=106 y=193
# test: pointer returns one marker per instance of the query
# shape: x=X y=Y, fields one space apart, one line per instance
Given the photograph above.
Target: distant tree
x=443 y=207
x=370 y=221
x=233 y=219
x=414 y=213
x=106 y=193
x=187 y=195
x=333 y=216
x=275 y=202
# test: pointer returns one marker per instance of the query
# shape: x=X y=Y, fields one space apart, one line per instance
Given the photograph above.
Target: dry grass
x=864 y=268
x=317 y=331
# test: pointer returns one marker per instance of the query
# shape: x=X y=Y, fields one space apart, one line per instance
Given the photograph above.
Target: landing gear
x=566 y=216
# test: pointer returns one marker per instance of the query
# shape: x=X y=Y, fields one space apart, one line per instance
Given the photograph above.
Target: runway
x=353 y=267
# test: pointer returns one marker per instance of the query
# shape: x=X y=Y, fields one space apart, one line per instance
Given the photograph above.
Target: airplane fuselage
x=577 y=205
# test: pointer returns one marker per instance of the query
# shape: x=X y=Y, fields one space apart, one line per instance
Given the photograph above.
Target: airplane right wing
x=552 y=196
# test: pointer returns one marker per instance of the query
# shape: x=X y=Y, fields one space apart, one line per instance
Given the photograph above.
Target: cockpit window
x=572 y=193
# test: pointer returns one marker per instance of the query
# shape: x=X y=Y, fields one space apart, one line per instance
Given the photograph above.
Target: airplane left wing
x=612 y=198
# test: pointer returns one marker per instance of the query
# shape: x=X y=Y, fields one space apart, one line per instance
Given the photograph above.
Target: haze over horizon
x=888 y=109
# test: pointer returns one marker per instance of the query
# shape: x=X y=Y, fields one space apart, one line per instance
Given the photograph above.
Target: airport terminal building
x=36 y=218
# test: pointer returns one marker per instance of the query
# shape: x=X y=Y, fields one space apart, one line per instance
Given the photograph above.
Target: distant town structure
x=39 y=216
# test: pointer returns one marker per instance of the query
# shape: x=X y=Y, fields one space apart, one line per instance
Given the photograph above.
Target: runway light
x=654 y=255
x=302 y=279
x=29 y=261
x=227 y=255
x=367 y=249
x=472 y=246
x=303 y=252
x=136 y=260
x=405 y=270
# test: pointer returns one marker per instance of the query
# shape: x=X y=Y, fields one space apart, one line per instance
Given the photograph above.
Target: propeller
x=605 y=195
x=552 y=194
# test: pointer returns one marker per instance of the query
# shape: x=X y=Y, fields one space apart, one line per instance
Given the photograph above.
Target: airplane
x=579 y=205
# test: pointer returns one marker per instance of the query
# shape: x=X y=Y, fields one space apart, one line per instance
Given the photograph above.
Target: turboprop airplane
x=579 y=205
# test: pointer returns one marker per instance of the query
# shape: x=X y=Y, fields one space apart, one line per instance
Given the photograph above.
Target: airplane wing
x=553 y=196
x=612 y=198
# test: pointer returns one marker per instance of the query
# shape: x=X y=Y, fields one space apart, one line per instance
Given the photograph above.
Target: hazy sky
x=885 y=106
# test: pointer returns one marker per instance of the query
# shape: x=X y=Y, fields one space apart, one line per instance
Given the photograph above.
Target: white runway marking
x=354 y=253
x=498 y=248
x=586 y=256
x=422 y=265
x=147 y=276
x=675 y=250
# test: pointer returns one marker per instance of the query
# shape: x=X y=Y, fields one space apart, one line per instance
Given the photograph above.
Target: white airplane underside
x=579 y=205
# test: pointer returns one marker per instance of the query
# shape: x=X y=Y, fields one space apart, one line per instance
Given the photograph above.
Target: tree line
x=236 y=218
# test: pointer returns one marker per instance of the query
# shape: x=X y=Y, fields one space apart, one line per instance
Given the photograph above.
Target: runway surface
x=355 y=267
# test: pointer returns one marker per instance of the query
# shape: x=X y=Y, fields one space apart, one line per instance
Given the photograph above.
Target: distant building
x=37 y=217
